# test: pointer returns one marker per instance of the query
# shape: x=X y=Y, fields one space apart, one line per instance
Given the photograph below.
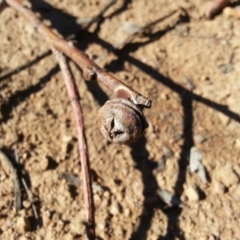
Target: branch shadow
x=187 y=98
x=150 y=183
x=174 y=213
x=68 y=24
x=25 y=66
x=22 y=174
x=140 y=156
x=19 y=96
x=139 y=152
x=123 y=8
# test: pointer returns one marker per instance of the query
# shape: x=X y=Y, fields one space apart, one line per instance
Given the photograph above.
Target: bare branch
x=15 y=179
x=29 y=194
x=2 y=5
x=87 y=187
x=215 y=7
x=90 y=70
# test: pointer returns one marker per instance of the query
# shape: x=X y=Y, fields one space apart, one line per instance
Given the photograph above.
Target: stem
x=215 y=7
x=2 y=5
x=15 y=179
x=87 y=186
x=90 y=70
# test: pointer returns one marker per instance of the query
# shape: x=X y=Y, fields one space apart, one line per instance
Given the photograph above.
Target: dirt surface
x=187 y=65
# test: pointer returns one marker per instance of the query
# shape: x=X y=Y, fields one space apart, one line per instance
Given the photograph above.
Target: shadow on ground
x=69 y=26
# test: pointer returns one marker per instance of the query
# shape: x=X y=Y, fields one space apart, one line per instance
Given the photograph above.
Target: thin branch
x=87 y=187
x=90 y=70
x=15 y=179
x=2 y=5
x=29 y=194
x=215 y=7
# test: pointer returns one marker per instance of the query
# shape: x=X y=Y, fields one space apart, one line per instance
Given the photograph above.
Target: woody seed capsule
x=121 y=121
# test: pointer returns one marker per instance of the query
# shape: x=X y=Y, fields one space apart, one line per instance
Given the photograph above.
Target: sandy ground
x=187 y=66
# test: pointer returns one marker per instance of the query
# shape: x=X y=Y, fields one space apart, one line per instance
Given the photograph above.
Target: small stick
x=15 y=179
x=215 y=7
x=29 y=194
x=2 y=5
x=90 y=70
x=87 y=186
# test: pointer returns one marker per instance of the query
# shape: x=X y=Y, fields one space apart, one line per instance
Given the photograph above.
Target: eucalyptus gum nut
x=121 y=121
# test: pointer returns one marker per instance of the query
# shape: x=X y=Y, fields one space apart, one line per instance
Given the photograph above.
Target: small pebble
x=71 y=179
x=83 y=21
x=23 y=224
x=195 y=159
x=227 y=175
x=23 y=238
x=97 y=199
x=198 y=138
x=191 y=193
x=97 y=187
x=224 y=119
x=104 y=203
x=167 y=152
x=204 y=78
x=196 y=163
x=164 y=96
x=169 y=198
x=114 y=208
x=101 y=226
x=202 y=173
x=189 y=85
x=67 y=138
x=131 y=27
x=232 y=12
x=161 y=164
x=68 y=236
x=218 y=187
x=43 y=164
x=236 y=193
x=106 y=194
x=119 y=196
x=46 y=218
x=25 y=155
x=76 y=226
x=126 y=212
x=26 y=204
x=237 y=143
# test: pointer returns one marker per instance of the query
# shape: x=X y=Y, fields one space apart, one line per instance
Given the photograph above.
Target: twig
x=215 y=7
x=2 y=5
x=15 y=179
x=90 y=70
x=87 y=187
x=29 y=194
